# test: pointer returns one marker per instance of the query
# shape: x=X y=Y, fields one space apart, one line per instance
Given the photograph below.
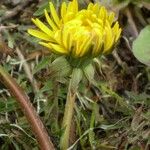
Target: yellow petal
x=90 y=6
x=65 y=39
x=68 y=17
x=58 y=37
x=75 y=6
x=96 y=8
x=58 y=49
x=115 y=27
x=100 y=22
x=54 y=14
x=74 y=50
x=39 y=34
x=102 y=13
x=34 y=21
x=117 y=31
x=109 y=39
x=77 y=52
x=51 y=23
x=78 y=36
x=43 y=27
x=111 y=18
x=97 y=47
x=54 y=48
x=89 y=22
x=70 y=42
x=63 y=9
x=118 y=35
x=45 y=44
x=86 y=47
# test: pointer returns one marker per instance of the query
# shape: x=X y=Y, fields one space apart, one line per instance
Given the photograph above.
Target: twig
x=118 y=59
x=139 y=15
x=131 y=22
x=4 y=48
x=2 y=27
x=29 y=75
x=127 y=43
x=37 y=53
x=146 y=5
x=29 y=111
x=27 y=69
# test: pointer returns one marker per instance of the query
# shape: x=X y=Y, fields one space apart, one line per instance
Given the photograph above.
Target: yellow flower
x=78 y=33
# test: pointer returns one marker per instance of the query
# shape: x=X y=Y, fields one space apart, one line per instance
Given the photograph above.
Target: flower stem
x=29 y=111
x=69 y=108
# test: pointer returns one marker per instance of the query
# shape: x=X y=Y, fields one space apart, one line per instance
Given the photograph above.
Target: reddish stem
x=29 y=111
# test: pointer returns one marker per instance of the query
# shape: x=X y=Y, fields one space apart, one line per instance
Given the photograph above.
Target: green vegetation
x=112 y=105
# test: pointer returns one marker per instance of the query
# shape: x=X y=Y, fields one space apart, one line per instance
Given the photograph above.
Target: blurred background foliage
x=114 y=115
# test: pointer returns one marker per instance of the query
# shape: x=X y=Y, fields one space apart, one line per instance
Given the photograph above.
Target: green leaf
x=8 y=106
x=40 y=11
x=109 y=127
x=46 y=61
x=141 y=46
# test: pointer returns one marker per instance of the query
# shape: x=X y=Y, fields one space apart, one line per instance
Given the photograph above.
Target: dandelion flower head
x=77 y=33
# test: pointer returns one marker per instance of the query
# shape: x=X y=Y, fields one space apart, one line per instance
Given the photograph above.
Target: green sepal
x=76 y=77
x=89 y=72
x=61 y=67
